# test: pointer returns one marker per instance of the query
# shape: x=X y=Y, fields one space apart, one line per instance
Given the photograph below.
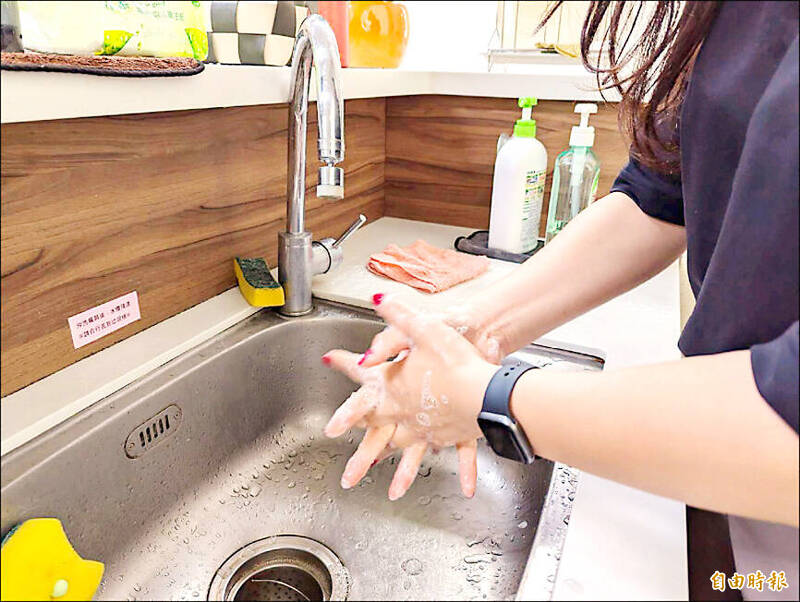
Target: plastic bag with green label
x=115 y=28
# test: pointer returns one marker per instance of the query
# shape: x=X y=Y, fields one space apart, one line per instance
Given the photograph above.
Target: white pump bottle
x=518 y=187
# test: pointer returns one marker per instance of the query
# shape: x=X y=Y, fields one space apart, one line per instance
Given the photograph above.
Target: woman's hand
x=430 y=396
x=467 y=320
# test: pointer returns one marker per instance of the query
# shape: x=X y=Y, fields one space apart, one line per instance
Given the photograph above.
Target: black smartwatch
x=504 y=435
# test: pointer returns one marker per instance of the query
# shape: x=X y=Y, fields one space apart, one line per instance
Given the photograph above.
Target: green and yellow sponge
x=256 y=283
x=39 y=563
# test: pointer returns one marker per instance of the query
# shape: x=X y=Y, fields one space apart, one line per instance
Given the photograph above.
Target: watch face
x=501 y=440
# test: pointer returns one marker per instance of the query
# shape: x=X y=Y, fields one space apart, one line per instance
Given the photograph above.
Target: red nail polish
x=326 y=360
x=374 y=462
x=364 y=357
x=377 y=298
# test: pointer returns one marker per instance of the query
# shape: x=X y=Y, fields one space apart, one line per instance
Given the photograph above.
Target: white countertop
x=37 y=96
x=621 y=543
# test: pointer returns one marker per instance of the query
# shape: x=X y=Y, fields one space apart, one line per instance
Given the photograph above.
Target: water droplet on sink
x=456 y=516
x=255 y=490
x=186 y=540
x=137 y=587
x=195 y=594
x=291 y=484
x=424 y=500
x=361 y=546
x=412 y=566
x=349 y=439
x=292 y=454
x=266 y=465
x=523 y=525
x=476 y=558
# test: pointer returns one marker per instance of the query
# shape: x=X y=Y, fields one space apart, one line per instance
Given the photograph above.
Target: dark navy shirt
x=737 y=194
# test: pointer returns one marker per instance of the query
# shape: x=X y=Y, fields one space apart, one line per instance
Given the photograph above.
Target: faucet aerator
x=331 y=182
x=332 y=193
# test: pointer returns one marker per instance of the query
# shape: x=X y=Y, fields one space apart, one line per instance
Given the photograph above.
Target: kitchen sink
x=210 y=478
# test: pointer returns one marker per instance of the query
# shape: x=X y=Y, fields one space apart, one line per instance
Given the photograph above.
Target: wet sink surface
x=247 y=460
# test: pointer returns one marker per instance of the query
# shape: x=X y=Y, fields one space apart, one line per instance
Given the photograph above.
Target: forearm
x=606 y=250
x=695 y=430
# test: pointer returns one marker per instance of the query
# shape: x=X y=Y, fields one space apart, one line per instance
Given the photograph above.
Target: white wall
x=449 y=36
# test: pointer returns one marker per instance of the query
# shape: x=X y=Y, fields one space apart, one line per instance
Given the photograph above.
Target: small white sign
x=104 y=319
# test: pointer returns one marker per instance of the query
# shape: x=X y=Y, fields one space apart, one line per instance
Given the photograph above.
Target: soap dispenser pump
x=575 y=175
x=518 y=186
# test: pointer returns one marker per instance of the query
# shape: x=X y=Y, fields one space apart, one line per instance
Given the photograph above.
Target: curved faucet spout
x=315 y=45
x=299 y=259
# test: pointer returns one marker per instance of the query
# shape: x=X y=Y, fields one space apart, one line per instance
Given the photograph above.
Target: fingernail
x=374 y=462
x=394 y=493
x=377 y=298
x=364 y=357
x=345 y=484
x=330 y=429
x=326 y=360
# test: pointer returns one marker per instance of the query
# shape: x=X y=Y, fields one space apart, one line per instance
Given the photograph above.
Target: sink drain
x=285 y=567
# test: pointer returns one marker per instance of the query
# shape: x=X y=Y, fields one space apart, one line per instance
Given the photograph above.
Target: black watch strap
x=498 y=393
x=502 y=432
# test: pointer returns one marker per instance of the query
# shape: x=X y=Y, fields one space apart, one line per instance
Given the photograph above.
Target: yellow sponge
x=256 y=283
x=39 y=563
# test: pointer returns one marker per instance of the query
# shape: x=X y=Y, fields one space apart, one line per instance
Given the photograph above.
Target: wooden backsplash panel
x=440 y=153
x=158 y=203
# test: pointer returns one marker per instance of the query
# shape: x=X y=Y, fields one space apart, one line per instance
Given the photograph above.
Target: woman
x=710 y=100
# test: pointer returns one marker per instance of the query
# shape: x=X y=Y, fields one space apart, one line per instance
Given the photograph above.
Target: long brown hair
x=650 y=71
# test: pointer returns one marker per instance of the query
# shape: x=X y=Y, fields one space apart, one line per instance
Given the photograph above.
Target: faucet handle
x=360 y=221
x=327 y=253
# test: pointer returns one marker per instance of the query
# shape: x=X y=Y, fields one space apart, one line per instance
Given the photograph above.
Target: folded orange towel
x=425 y=267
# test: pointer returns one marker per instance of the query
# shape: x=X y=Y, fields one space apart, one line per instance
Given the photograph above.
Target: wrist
x=490 y=335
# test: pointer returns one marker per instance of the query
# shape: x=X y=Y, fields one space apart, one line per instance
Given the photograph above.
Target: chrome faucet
x=299 y=259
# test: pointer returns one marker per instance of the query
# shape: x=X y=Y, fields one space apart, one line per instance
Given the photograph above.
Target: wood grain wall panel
x=440 y=153
x=158 y=203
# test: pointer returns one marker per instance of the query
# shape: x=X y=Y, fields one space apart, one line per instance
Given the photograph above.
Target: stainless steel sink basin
x=222 y=447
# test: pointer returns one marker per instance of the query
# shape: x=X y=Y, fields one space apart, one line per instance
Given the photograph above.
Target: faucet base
x=295 y=269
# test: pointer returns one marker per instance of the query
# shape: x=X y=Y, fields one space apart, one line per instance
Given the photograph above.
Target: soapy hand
x=465 y=319
x=469 y=321
x=429 y=396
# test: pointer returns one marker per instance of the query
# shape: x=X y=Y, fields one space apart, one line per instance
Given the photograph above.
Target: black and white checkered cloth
x=253 y=32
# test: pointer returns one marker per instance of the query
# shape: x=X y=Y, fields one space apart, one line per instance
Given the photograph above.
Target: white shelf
x=34 y=96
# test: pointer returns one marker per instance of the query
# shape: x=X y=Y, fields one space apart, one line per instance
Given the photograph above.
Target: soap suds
x=428 y=401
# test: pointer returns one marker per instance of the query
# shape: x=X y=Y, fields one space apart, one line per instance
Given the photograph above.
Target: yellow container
x=378 y=33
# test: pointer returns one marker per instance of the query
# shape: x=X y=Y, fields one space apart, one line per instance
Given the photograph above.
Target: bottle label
x=532 y=208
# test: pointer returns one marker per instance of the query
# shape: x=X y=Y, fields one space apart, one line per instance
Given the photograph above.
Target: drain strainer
x=284 y=567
